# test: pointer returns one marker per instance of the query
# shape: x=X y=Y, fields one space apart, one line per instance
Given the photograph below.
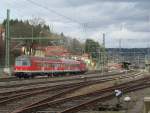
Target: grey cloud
x=139 y=27
x=89 y=15
x=124 y=1
x=78 y=3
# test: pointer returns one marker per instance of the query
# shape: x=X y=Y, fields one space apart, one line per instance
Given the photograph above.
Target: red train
x=30 y=66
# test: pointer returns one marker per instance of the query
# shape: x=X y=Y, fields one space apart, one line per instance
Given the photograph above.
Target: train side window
x=57 y=65
x=24 y=63
x=53 y=65
x=39 y=64
x=66 y=65
x=45 y=64
x=62 y=65
x=49 y=65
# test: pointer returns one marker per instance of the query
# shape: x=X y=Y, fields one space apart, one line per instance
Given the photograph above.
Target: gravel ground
x=134 y=106
x=81 y=91
x=91 y=89
x=137 y=97
x=27 y=81
x=101 y=112
x=100 y=86
x=43 y=80
x=42 y=85
x=9 y=107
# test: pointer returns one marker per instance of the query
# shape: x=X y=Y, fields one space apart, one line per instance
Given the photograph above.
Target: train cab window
x=18 y=63
x=22 y=63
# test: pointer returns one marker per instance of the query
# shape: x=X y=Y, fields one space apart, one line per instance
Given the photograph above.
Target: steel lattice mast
x=7 y=42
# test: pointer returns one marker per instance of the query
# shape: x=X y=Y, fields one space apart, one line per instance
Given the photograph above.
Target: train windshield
x=22 y=62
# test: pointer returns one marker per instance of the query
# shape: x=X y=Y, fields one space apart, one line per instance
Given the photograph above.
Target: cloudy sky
x=125 y=20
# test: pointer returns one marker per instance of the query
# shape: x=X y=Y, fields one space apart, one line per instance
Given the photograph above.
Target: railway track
x=9 y=79
x=28 y=83
x=37 y=95
x=10 y=96
x=15 y=79
x=102 y=79
x=76 y=103
x=68 y=88
x=58 y=80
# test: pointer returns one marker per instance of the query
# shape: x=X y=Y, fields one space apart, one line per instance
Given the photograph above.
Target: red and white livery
x=30 y=66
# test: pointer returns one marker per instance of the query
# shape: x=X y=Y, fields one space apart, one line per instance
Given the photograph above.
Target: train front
x=22 y=67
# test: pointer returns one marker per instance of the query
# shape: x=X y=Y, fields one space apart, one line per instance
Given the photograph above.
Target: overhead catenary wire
x=2 y=16
x=81 y=24
x=84 y=26
x=53 y=11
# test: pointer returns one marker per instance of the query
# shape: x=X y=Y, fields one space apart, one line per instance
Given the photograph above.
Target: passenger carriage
x=29 y=66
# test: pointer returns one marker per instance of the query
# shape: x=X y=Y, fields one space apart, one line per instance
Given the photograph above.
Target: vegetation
x=20 y=29
x=2 y=53
x=94 y=48
x=36 y=28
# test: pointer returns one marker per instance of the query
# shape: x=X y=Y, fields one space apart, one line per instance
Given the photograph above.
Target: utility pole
x=120 y=41
x=103 y=54
x=119 y=56
x=7 y=44
x=32 y=34
x=104 y=40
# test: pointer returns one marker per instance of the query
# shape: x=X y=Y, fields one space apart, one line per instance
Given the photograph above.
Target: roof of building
x=56 y=51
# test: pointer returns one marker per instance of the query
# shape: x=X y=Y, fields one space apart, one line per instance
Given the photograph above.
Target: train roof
x=22 y=58
x=70 y=61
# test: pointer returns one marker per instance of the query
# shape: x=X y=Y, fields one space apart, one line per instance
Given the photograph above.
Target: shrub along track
x=76 y=103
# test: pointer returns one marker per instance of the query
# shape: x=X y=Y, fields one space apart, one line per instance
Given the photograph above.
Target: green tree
x=23 y=29
x=93 y=48
x=97 y=52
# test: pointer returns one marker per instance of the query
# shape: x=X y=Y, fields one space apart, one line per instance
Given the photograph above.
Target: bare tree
x=37 y=21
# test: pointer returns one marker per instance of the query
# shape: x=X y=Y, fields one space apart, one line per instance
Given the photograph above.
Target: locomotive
x=30 y=66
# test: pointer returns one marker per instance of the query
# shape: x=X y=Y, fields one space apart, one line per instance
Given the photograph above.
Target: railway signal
x=118 y=94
